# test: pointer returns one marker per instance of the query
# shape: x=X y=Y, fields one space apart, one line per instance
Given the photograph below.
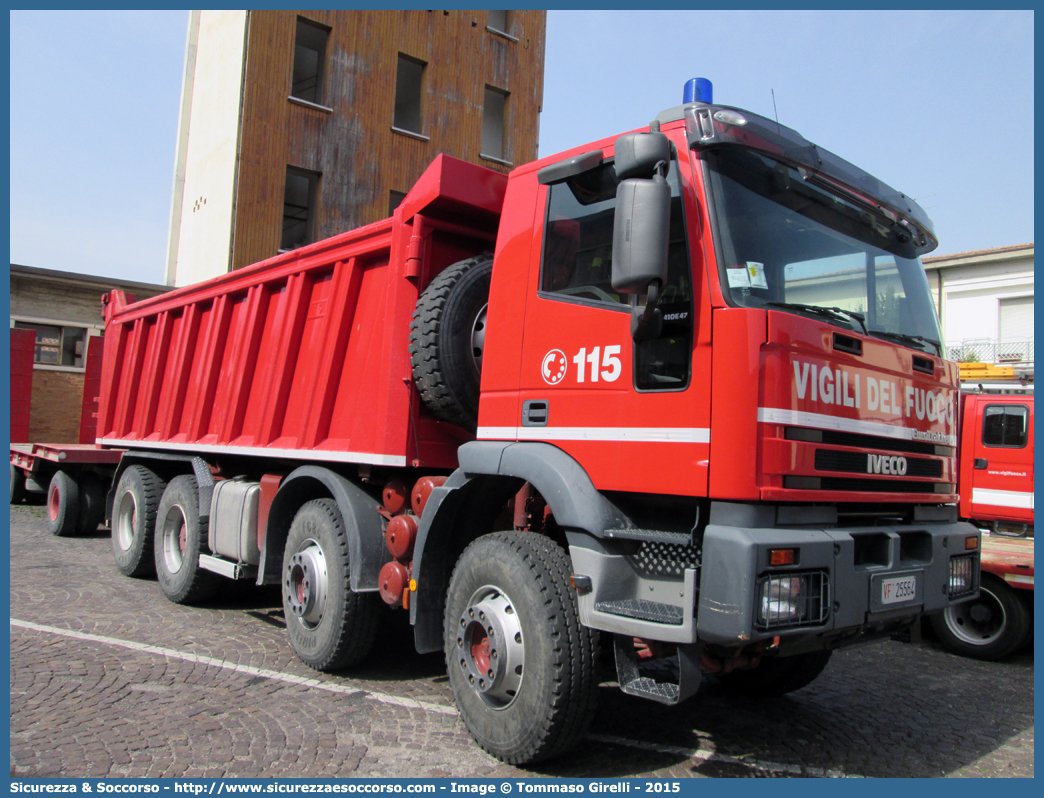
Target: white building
x=985 y=303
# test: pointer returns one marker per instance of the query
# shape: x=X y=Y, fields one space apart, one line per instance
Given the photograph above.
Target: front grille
x=791 y=599
x=856 y=463
x=854 y=439
x=865 y=485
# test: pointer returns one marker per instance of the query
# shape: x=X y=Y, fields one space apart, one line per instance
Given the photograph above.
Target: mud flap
x=668 y=681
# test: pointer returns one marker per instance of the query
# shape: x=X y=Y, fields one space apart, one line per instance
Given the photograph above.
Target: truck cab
x=997 y=462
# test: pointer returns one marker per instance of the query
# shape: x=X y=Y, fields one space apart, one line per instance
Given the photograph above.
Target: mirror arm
x=647 y=322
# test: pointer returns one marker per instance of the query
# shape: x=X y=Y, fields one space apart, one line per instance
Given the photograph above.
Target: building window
x=493 y=107
x=298 y=208
x=408 y=94
x=58 y=346
x=1016 y=330
x=395 y=199
x=497 y=21
x=309 y=59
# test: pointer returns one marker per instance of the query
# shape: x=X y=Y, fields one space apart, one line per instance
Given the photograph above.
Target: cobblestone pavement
x=110 y=679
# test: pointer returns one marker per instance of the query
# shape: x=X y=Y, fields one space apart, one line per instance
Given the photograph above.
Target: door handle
x=534 y=413
x=979 y=463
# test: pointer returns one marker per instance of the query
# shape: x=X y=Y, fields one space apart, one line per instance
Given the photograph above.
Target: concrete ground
x=109 y=679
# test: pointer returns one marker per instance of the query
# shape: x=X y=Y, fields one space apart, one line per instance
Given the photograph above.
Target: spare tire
x=447 y=337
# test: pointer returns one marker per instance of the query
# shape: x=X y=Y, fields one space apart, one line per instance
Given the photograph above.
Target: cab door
x=633 y=414
x=1002 y=469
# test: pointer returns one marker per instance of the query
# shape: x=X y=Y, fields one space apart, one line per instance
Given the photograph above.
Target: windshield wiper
x=908 y=339
x=832 y=312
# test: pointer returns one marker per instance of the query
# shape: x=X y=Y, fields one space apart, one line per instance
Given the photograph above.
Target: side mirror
x=639 y=154
x=640 y=234
x=641 y=226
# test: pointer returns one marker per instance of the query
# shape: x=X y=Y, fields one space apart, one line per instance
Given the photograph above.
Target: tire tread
x=201 y=584
x=151 y=488
x=429 y=372
x=354 y=638
x=574 y=689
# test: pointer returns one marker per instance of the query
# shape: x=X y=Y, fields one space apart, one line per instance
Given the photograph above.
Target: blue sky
x=939 y=104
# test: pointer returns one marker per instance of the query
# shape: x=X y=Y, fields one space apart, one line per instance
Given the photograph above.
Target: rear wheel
x=776 y=676
x=17 y=485
x=134 y=509
x=180 y=532
x=990 y=627
x=330 y=627
x=63 y=504
x=92 y=503
x=522 y=668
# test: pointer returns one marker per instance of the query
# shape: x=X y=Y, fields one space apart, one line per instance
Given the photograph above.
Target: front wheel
x=990 y=627
x=330 y=627
x=522 y=668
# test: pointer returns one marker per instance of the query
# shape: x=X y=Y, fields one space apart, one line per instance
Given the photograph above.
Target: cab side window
x=577 y=267
x=578 y=239
x=1006 y=426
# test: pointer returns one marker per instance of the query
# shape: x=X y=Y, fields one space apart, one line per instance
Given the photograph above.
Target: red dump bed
x=303 y=355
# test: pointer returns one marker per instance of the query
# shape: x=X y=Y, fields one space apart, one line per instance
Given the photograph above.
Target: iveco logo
x=883 y=464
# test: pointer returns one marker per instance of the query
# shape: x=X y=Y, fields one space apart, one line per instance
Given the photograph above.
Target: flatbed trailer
x=72 y=477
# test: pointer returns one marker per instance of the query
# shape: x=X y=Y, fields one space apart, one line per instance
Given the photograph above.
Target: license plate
x=898 y=589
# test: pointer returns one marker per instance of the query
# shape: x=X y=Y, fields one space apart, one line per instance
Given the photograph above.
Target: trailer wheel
x=522 y=668
x=180 y=532
x=330 y=627
x=17 y=485
x=990 y=627
x=63 y=504
x=776 y=676
x=134 y=509
x=92 y=503
x=447 y=338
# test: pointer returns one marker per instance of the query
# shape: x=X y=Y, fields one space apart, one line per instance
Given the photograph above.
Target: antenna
x=776 y=112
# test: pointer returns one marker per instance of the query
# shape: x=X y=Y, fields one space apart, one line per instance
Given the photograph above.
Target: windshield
x=789 y=245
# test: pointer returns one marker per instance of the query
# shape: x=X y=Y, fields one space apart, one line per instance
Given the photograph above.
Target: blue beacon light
x=698 y=90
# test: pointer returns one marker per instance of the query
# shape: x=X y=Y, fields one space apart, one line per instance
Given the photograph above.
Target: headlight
x=782 y=598
x=962 y=575
x=793 y=599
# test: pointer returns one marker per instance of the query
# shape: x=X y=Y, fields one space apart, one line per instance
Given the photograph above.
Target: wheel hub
x=478 y=337
x=980 y=614
x=124 y=522
x=175 y=538
x=305 y=583
x=54 y=504
x=490 y=649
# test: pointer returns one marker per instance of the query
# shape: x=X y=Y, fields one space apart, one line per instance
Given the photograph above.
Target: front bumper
x=844 y=584
x=851 y=577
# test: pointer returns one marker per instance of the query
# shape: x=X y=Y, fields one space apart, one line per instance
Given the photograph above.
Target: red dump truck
x=996 y=489
x=678 y=394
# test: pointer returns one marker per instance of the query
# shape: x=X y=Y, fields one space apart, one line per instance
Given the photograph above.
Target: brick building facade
x=65 y=311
